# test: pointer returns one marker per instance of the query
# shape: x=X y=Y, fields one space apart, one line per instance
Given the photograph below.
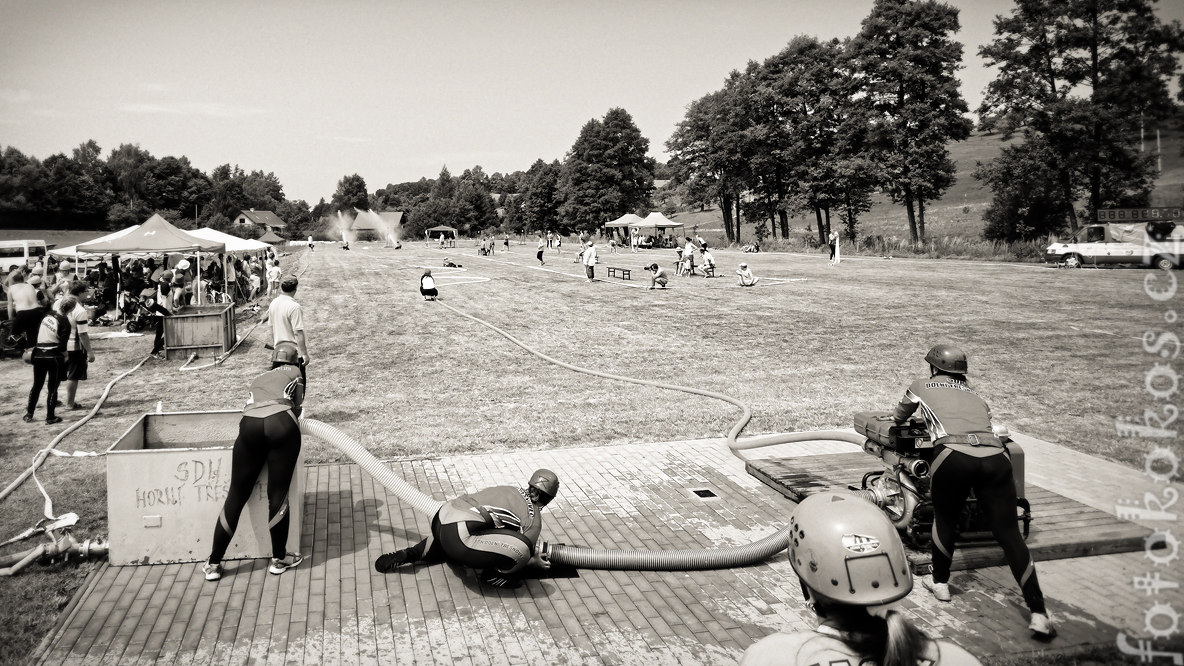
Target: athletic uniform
x=827 y=646
x=968 y=456
x=49 y=362
x=268 y=436
x=495 y=528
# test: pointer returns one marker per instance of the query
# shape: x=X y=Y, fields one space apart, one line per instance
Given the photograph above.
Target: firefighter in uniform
x=849 y=559
x=969 y=456
x=494 y=530
x=268 y=437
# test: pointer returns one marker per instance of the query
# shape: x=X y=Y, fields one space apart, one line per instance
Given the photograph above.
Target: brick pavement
x=335 y=609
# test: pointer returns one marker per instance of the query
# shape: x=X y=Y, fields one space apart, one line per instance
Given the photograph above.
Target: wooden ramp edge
x=1061 y=528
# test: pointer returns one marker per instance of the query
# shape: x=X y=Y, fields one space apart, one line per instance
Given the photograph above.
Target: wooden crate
x=206 y=329
x=1061 y=527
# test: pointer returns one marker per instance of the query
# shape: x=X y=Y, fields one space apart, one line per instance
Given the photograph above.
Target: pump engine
x=902 y=488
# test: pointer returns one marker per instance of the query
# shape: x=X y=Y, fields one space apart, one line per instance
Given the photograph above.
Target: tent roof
x=233 y=243
x=155 y=235
x=442 y=228
x=271 y=237
x=72 y=250
x=657 y=221
x=624 y=221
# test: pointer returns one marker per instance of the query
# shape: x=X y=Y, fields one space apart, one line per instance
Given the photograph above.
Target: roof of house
x=264 y=217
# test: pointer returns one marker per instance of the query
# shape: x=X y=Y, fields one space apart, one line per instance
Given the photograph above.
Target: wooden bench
x=623 y=273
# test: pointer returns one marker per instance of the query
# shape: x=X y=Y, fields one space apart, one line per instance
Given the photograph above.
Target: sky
x=391 y=90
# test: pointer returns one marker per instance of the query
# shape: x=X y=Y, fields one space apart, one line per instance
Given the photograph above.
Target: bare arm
x=302 y=346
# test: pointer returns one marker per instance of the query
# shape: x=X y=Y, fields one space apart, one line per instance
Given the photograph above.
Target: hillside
x=959 y=212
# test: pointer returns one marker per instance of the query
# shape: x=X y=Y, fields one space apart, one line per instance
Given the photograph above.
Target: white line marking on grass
x=1094 y=330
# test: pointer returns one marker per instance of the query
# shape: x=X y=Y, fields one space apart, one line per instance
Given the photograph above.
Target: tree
x=540 y=201
x=606 y=173
x=906 y=61
x=1027 y=202
x=1080 y=76
x=130 y=166
x=351 y=194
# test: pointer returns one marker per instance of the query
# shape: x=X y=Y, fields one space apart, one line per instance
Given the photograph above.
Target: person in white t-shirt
x=273 y=278
x=589 y=259
x=287 y=321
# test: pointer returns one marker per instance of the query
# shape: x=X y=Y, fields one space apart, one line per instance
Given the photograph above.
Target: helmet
x=947 y=358
x=546 y=482
x=183 y=264
x=286 y=352
x=845 y=550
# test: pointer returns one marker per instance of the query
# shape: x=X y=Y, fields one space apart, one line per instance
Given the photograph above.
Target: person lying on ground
x=495 y=530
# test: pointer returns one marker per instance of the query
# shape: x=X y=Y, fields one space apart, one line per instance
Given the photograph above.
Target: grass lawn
x=1057 y=353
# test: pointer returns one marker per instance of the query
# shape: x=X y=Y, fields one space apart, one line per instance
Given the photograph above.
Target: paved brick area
x=335 y=609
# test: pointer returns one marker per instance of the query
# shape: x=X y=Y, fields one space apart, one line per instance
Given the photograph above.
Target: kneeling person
x=495 y=530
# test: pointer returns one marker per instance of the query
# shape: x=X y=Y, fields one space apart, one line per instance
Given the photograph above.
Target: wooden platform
x=1061 y=528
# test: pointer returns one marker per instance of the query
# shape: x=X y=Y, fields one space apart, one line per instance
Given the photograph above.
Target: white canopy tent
x=71 y=251
x=234 y=244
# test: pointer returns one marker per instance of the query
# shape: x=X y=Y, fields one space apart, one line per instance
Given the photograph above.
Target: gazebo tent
x=441 y=229
x=271 y=238
x=156 y=236
x=71 y=251
x=626 y=220
x=234 y=244
x=658 y=222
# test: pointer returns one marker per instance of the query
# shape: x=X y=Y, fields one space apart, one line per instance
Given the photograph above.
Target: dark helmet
x=546 y=482
x=286 y=352
x=947 y=358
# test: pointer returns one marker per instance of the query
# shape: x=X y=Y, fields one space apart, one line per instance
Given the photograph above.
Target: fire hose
x=589 y=558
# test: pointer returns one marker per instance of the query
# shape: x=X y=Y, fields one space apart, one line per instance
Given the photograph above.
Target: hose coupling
x=918 y=468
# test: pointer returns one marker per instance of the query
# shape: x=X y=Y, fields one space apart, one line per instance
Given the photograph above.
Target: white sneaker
x=941 y=591
x=279 y=566
x=212 y=571
x=1042 y=625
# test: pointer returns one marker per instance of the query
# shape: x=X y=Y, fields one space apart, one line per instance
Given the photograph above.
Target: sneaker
x=1042 y=625
x=52 y=420
x=941 y=591
x=290 y=561
x=213 y=571
x=27 y=418
x=391 y=561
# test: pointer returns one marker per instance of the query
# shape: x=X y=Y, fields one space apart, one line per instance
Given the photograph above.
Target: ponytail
x=904 y=644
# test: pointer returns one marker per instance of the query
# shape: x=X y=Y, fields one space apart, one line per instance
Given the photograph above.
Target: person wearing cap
x=744 y=276
x=495 y=530
x=589 y=261
x=968 y=455
x=853 y=571
x=287 y=321
x=62 y=281
x=268 y=438
x=658 y=277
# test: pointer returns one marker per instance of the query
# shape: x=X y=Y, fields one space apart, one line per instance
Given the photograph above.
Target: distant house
x=659 y=184
x=261 y=218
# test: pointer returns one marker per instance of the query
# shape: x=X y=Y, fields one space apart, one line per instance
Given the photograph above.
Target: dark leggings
x=474 y=545
x=272 y=442
x=25 y=323
x=991 y=479
x=45 y=367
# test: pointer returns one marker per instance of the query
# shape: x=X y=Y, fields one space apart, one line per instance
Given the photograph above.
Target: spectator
x=506 y=243
x=832 y=241
x=78 y=350
x=539 y=254
x=25 y=310
x=658 y=277
x=427 y=285
x=745 y=278
x=49 y=358
x=256 y=283
x=287 y=321
x=273 y=278
x=590 y=261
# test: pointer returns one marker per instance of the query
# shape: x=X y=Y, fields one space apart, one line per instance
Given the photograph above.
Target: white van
x=1158 y=244
x=15 y=253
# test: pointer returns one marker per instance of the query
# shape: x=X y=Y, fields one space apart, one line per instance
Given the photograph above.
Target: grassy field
x=1056 y=352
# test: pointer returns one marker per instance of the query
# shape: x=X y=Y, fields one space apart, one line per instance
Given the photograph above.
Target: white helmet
x=845 y=550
